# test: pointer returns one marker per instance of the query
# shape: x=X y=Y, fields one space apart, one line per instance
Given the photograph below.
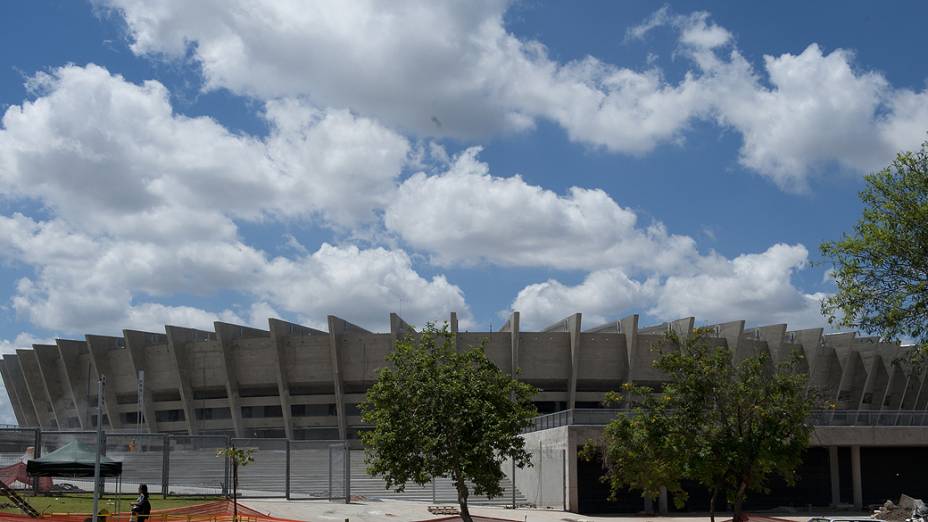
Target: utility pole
x=96 y=463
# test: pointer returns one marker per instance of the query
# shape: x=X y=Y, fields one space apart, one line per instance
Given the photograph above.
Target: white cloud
x=143 y=205
x=755 y=287
x=445 y=68
x=112 y=156
x=465 y=215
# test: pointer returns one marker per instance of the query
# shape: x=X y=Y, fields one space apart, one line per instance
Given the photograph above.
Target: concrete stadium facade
x=292 y=381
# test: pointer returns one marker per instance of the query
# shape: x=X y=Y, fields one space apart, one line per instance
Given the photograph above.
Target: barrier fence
x=334 y=470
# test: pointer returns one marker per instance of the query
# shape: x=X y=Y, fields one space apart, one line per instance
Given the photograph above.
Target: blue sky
x=229 y=161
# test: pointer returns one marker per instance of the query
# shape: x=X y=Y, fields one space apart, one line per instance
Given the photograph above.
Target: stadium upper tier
x=301 y=383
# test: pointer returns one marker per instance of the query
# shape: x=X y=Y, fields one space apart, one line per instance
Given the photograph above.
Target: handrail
x=602 y=416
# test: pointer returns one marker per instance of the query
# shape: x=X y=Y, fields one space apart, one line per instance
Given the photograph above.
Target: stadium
x=291 y=388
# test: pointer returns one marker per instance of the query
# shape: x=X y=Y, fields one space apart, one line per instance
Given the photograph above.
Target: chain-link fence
x=317 y=469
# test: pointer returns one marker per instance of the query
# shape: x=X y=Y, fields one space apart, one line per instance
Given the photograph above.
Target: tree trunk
x=715 y=493
x=738 y=515
x=462 y=497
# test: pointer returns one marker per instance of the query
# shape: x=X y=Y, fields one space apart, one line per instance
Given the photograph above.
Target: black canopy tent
x=74 y=459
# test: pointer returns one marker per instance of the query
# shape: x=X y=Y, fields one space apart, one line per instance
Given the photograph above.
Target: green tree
x=725 y=425
x=881 y=269
x=239 y=457
x=437 y=412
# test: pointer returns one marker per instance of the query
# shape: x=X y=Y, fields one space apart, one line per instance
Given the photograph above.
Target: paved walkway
x=402 y=511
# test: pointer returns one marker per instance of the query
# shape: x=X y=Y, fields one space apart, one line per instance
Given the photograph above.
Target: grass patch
x=83 y=502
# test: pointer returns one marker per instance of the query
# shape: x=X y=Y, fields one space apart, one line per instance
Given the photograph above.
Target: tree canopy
x=439 y=412
x=727 y=425
x=881 y=268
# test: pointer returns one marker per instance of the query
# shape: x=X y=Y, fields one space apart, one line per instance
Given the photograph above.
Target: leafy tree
x=240 y=457
x=439 y=412
x=881 y=269
x=725 y=425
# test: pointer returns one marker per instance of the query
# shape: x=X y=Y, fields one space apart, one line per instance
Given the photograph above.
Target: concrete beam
x=400 y=328
x=731 y=332
x=50 y=368
x=10 y=386
x=227 y=334
x=841 y=342
x=811 y=341
x=513 y=329
x=137 y=342
x=280 y=330
x=571 y=325
x=773 y=335
x=178 y=339
x=29 y=366
x=337 y=327
x=853 y=380
x=629 y=327
x=13 y=369
x=683 y=328
x=100 y=348
x=77 y=377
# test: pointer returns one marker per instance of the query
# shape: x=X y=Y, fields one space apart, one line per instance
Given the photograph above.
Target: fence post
x=227 y=473
x=165 y=466
x=330 y=472
x=287 y=482
x=347 y=473
x=36 y=453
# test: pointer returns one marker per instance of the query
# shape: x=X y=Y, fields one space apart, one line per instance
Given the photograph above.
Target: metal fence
x=177 y=465
x=335 y=470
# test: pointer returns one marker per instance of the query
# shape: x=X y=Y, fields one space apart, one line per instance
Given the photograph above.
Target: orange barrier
x=217 y=511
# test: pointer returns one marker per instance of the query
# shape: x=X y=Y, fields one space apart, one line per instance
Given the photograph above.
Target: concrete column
x=774 y=336
x=629 y=327
x=15 y=372
x=811 y=342
x=48 y=359
x=337 y=327
x=732 y=333
x=683 y=328
x=178 y=338
x=76 y=373
x=280 y=331
x=29 y=366
x=100 y=348
x=573 y=493
x=573 y=328
x=453 y=326
x=833 y=473
x=227 y=334
x=137 y=343
x=399 y=328
x=856 y=478
x=10 y=387
x=514 y=342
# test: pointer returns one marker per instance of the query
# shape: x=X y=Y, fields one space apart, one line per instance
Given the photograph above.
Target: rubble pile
x=907 y=508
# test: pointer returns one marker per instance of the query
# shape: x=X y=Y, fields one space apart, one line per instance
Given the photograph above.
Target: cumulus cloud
x=113 y=157
x=453 y=69
x=755 y=287
x=465 y=215
x=143 y=206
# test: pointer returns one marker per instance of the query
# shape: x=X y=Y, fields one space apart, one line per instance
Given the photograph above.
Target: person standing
x=142 y=507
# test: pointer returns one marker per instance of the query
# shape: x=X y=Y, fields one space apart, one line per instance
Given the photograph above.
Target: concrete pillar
x=683 y=327
x=399 y=328
x=337 y=327
x=630 y=330
x=10 y=386
x=648 y=505
x=811 y=341
x=514 y=343
x=453 y=326
x=732 y=333
x=50 y=369
x=100 y=348
x=573 y=328
x=137 y=343
x=573 y=493
x=76 y=373
x=280 y=331
x=227 y=334
x=856 y=478
x=15 y=372
x=834 y=474
x=29 y=366
x=178 y=339
x=773 y=335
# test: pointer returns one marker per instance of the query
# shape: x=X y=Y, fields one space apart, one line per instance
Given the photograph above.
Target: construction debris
x=908 y=508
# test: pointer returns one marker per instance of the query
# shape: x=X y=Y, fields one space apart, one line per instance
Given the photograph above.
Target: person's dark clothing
x=142 y=508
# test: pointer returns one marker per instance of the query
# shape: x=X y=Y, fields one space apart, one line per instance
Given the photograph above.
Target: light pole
x=96 y=463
